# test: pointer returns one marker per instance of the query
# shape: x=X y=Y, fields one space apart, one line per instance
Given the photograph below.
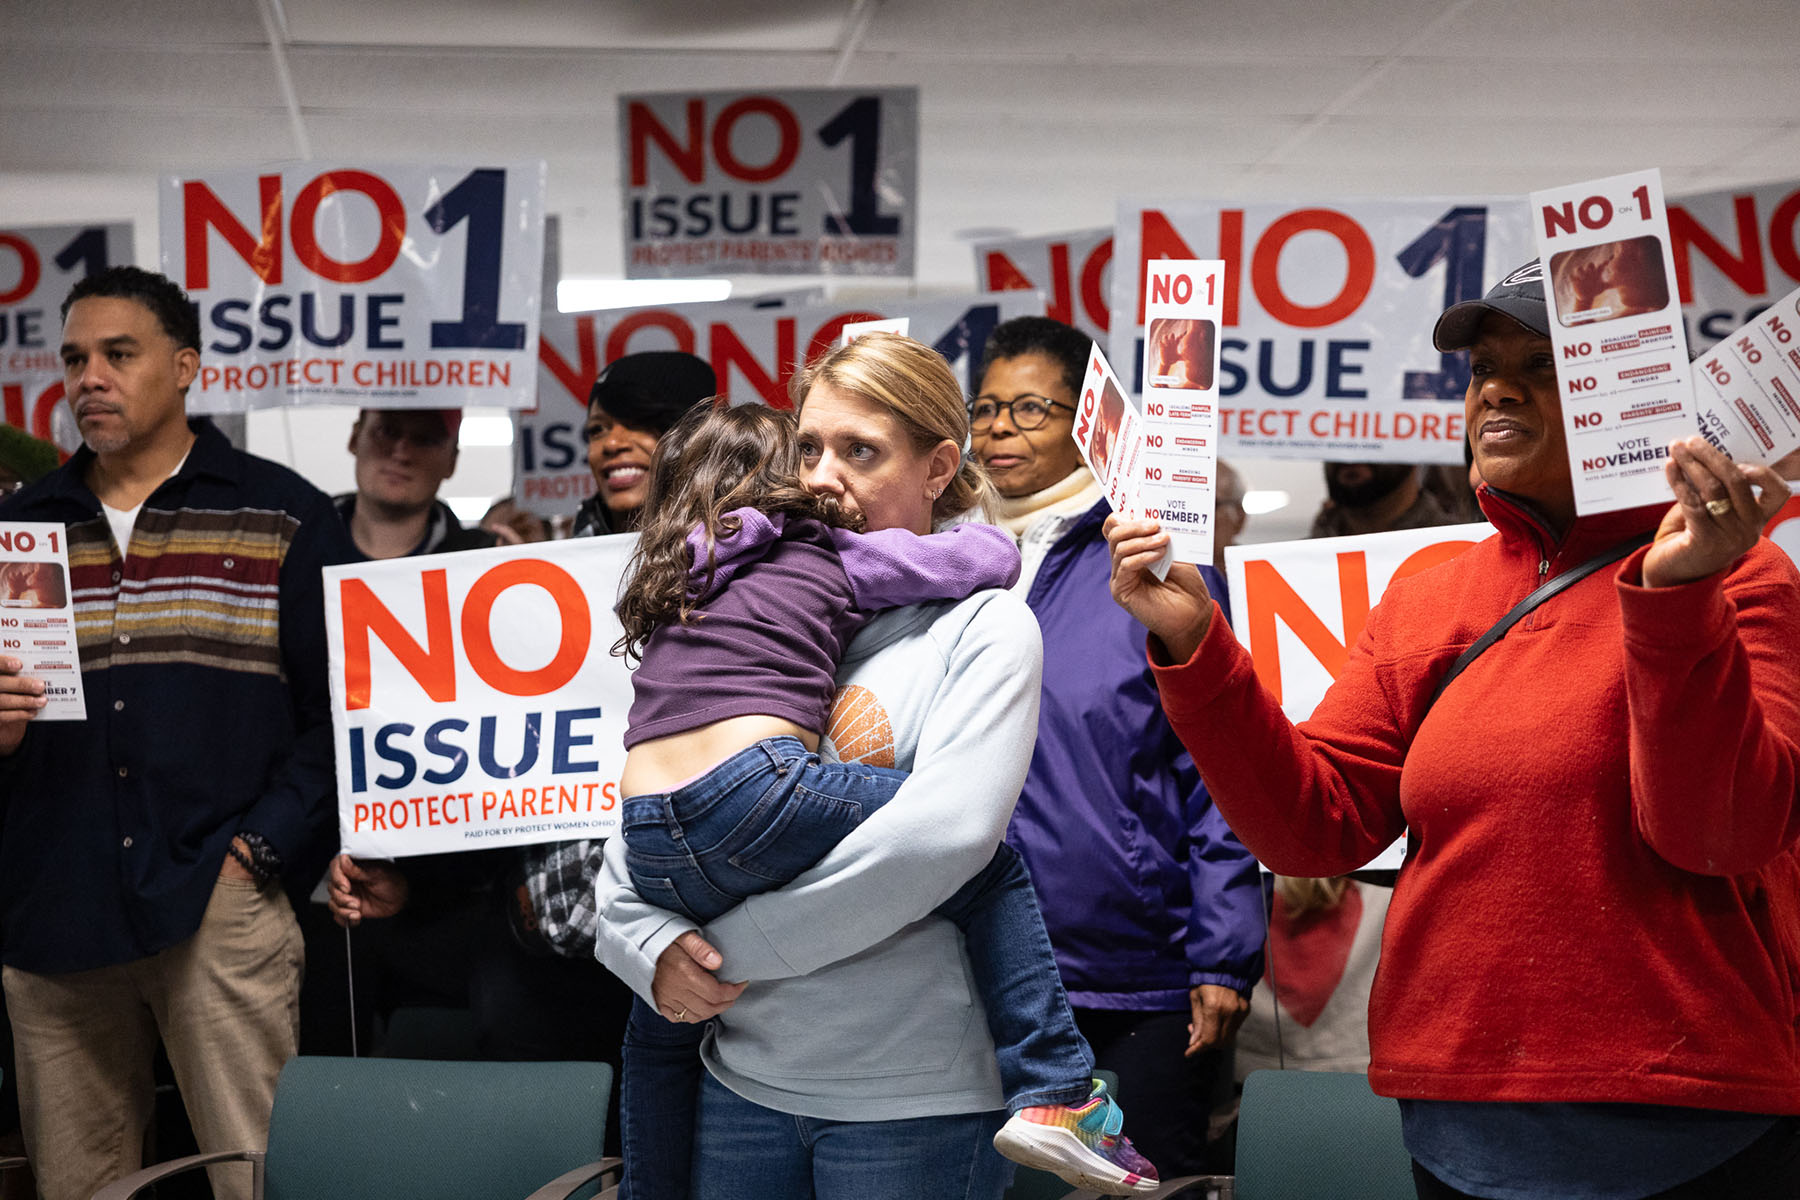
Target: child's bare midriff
x=664 y=764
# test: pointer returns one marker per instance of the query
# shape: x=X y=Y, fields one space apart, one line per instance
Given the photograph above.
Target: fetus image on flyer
x=1609 y=281
x=33 y=585
x=1183 y=353
x=1106 y=428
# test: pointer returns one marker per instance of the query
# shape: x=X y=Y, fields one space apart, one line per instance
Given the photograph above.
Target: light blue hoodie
x=860 y=1005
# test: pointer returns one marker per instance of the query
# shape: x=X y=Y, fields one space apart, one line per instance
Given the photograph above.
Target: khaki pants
x=226 y=1005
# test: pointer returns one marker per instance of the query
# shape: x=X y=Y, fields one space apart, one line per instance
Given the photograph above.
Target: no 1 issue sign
x=385 y=287
x=815 y=181
x=1327 y=315
x=38 y=266
x=475 y=700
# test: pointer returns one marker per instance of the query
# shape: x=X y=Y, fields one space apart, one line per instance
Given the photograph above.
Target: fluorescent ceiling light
x=585 y=295
x=1256 y=503
x=486 y=431
x=468 y=509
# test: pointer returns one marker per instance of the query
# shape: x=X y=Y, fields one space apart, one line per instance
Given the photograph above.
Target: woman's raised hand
x=1177 y=609
x=1717 y=516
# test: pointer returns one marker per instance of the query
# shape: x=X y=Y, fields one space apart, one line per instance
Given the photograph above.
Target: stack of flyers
x=1615 y=323
x=1183 y=299
x=37 y=614
x=1747 y=388
x=1109 y=433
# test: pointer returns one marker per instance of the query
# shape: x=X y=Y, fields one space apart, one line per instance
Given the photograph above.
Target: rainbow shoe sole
x=1079 y=1143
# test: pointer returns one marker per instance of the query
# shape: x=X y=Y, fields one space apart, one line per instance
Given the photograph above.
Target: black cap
x=650 y=390
x=1519 y=296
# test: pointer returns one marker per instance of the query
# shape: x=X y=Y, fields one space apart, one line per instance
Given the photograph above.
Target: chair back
x=1322 y=1135
x=386 y=1129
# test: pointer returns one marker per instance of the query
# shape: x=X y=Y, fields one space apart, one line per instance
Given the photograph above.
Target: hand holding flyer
x=1615 y=321
x=37 y=614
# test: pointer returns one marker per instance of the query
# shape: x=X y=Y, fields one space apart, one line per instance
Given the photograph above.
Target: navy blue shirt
x=203 y=669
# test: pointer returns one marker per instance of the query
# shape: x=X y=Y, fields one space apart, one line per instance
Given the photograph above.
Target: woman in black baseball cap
x=1590 y=971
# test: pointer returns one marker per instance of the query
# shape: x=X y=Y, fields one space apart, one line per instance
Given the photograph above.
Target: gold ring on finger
x=1718 y=508
x=682 y=1015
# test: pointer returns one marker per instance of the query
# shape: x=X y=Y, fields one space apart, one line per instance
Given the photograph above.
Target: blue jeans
x=747 y=1150
x=753 y=823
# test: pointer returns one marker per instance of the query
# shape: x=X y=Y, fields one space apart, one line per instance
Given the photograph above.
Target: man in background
x=403 y=456
x=1376 y=498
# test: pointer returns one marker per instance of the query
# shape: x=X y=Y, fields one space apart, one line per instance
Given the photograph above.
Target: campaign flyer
x=37 y=614
x=1183 y=301
x=1747 y=388
x=1615 y=322
x=1109 y=433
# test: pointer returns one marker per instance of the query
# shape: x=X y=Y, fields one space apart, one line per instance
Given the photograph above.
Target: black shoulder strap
x=1517 y=613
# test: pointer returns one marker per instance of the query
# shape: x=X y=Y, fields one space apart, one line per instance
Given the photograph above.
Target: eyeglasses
x=385 y=436
x=1027 y=412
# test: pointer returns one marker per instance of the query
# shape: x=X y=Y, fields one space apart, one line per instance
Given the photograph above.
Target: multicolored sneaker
x=1080 y=1143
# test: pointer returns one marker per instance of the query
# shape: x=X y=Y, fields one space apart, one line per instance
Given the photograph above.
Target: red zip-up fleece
x=1603 y=901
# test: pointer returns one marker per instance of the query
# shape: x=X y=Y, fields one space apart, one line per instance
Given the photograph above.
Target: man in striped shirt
x=143 y=850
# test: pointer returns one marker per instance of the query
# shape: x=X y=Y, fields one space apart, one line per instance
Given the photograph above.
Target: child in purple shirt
x=744 y=592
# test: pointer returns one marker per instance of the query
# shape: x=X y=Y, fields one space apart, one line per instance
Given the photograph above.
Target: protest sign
x=1615 y=324
x=1299 y=607
x=1181 y=394
x=753 y=349
x=37 y=614
x=1784 y=527
x=38 y=266
x=1735 y=252
x=475 y=701
x=387 y=287
x=1073 y=270
x=1326 y=315
x=1747 y=388
x=811 y=181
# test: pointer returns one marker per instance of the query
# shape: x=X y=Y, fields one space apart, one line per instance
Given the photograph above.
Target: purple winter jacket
x=1145 y=890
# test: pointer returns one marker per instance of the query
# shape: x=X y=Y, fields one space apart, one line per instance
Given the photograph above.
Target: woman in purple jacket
x=1152 y=904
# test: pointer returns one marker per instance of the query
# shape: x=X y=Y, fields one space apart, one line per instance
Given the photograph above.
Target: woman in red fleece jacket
x=1589 y=972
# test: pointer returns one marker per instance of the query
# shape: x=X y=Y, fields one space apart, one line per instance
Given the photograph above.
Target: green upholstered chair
x=1319 y=1135
x=387 y=1129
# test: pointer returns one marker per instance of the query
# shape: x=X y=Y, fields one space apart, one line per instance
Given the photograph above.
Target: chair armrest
x=564 y=1186
x=137 y=1181
x=1190 y=1187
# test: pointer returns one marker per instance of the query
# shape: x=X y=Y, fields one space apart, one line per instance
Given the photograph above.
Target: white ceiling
x=1034 y=115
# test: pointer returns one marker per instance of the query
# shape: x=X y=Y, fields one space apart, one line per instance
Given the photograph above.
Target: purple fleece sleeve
x=892 y=567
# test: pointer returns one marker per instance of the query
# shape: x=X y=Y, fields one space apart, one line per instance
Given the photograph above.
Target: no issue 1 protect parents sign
x=816 y=181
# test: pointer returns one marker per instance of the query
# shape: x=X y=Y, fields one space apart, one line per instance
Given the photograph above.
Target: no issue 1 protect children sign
x=1615 y=323
x=385 y=287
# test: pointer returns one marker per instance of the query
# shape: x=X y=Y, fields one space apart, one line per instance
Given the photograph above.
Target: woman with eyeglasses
x=1158 y=931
